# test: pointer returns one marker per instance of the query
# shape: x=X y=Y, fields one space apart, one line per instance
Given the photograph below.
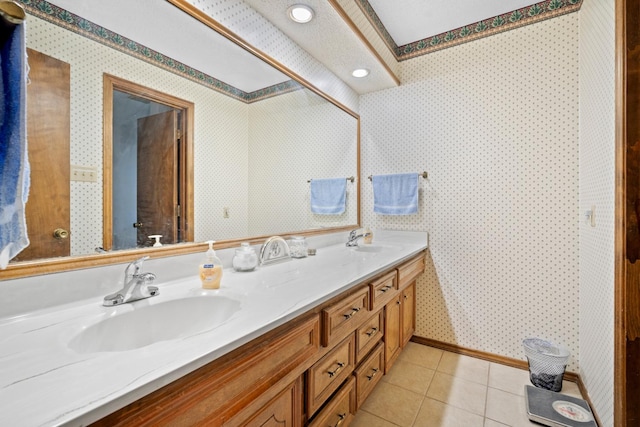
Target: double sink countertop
x=54 y=372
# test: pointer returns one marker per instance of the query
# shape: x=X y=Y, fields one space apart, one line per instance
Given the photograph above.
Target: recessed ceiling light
x=300 y=13
x=360 y=72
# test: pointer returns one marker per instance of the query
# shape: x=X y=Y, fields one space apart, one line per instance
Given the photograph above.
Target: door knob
x=137 y=224
x=60 y=233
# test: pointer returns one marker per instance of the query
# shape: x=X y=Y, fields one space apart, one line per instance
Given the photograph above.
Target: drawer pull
x=386 y=288
x=353 y=311
x=342 y=418
x=335 y=371
x=406 y=297
x=398 y=302
x=374 y=371
x=372 y=332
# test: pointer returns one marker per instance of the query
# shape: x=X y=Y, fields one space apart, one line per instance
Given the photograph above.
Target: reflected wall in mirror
x=253 y=150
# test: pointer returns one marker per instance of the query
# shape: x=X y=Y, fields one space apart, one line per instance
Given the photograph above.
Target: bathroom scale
x=556 y=409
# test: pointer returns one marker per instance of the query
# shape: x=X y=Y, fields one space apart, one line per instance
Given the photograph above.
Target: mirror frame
x=62 y=264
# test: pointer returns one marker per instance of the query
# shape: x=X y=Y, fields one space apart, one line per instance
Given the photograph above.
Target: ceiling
x=379 y=34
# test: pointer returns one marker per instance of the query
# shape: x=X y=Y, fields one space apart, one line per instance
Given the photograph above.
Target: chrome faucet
x=354 y=236
x=136 y=285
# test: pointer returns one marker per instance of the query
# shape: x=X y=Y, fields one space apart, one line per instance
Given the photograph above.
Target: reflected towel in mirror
x=328 y=196
x=14 y=164
x=395 y=194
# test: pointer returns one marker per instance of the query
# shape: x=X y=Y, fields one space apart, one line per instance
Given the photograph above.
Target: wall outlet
x=84 y=173
x=225 y=212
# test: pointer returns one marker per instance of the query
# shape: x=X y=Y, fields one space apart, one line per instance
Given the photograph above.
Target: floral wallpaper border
x=63 y=18
x=508 y=21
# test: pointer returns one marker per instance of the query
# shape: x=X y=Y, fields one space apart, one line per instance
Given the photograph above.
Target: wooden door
x=391 y=332
x=48 y=135
x=157 y=178
x=408 y=313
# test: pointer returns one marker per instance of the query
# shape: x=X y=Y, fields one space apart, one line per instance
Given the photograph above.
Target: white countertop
x=45 y=383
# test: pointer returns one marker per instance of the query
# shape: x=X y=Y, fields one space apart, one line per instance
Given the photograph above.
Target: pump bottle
x=211 y=269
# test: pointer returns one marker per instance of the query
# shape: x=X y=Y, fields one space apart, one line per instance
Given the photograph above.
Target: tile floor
x=435 y=388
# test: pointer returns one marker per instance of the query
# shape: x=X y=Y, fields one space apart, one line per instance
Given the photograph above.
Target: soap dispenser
x=245 y=258
x=211 y=269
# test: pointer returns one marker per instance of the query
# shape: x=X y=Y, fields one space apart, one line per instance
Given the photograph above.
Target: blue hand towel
x=14 y=163
x=395 y=194
x=328 y=196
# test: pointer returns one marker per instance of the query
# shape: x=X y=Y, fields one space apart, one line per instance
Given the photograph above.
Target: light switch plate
x=84 y=173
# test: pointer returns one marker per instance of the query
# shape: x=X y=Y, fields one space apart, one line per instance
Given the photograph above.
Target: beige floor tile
x=461 y=393
x=422 y=355
x=507 y=408
x=491 y=423
x=508 y=379
x=571 y=389
x=394 y=404
x=437 y=414
x=466 y=367
x=410 y=376
x=365 y=419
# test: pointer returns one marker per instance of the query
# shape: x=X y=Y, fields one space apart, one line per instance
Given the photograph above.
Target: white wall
x=597 y=188
x=495 y=123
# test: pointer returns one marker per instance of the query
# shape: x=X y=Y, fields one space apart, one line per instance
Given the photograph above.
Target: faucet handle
x=135 y=266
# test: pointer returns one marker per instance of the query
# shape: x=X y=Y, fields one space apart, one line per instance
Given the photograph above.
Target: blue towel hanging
x=395 y=194
x=328 y=196
x=14 y=163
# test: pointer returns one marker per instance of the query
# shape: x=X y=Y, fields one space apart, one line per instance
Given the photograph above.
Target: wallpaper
x=495 y=124
x=597 y=188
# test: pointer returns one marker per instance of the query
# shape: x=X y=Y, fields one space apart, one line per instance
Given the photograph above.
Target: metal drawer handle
x=373 y=373
x=335 y=371
x=372 y=332
x=342 y=418
x=386 y=288
x=353 y=311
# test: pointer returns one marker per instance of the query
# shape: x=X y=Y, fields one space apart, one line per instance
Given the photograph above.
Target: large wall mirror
x=258 y=135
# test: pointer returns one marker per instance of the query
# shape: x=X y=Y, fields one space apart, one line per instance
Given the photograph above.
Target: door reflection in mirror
x=148 y=170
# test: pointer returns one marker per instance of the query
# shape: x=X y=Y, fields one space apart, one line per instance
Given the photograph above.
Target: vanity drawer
x=341 y=409
x=383 y=289
x=411 y=269
x=344 y=317
x=369 y=334
x=369 y=374
x=328 y=373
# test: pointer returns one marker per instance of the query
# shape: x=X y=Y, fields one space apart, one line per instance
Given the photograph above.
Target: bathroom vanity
x=302 y=342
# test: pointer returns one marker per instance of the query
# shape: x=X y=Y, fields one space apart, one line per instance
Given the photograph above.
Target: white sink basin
x=148 y=324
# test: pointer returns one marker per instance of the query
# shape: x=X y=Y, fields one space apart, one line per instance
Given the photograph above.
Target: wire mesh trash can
x=547 y=363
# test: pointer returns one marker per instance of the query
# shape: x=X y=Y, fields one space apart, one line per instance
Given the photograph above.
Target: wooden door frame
x=111 y=83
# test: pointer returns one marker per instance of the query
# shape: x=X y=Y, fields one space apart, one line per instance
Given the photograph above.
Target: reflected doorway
x=148 y=157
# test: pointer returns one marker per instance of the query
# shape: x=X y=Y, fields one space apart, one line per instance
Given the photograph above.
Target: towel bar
x=351 y=178
x=423 y=174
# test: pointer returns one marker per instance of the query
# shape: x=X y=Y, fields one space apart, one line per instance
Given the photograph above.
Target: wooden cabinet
x=343 y=317
x=328 y=373
x=285 y=410
x=369 y=374
x=383 y=290
x=369 y=334
x=392 y=322
x=408 y=309
x=411 y=269
x=341 y=409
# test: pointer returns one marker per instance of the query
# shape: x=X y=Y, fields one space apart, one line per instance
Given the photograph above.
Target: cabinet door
x=408 y=308
x=392 y=322
x=285 y=410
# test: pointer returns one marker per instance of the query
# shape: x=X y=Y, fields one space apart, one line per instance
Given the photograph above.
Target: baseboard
x=508 y=361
